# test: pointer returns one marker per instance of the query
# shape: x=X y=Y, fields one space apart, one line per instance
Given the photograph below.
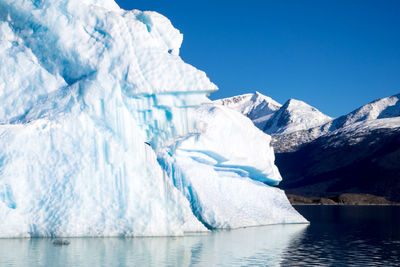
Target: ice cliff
x=101 y=132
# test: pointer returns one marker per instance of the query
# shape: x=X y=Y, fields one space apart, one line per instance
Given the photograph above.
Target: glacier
x=105 y=131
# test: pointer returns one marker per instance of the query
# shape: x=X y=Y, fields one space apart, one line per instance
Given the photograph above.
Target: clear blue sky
x=333 y=54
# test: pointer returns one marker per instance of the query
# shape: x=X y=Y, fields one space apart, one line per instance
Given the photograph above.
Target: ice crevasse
x=105 y=131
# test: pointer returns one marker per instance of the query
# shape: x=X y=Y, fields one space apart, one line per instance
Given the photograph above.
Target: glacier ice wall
x=90 y=95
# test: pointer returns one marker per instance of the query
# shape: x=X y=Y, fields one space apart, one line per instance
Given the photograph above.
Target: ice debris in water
x=61 y=242
x=90 y=94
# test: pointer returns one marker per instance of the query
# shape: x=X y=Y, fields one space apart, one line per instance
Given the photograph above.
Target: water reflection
x=249 y=246
x=347 y=236
x=337 y=236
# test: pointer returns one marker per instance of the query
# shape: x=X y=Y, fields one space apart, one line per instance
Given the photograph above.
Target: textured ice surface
x=89 y=95
x=220 y=171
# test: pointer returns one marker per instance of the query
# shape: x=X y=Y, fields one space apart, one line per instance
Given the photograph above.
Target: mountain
x=273 y=118
x=105 y=131
x=293 y=116
x=355 y=153
x=360 y=158
x=379 y=109
x=388 y=107
x=257 y=107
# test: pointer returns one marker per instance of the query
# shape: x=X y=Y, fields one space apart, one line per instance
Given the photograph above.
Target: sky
x=335 y=55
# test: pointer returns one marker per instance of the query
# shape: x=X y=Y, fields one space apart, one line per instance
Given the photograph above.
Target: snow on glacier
x=90 y=95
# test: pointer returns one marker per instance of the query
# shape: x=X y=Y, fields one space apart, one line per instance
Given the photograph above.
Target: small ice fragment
x=61 y=242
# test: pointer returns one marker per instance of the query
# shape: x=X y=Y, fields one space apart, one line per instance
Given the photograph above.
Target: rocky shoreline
x=341 y=199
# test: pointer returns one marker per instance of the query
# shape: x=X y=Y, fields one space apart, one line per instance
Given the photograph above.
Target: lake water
x=337 y=236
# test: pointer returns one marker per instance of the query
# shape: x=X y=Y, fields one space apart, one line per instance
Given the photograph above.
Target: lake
x=337 y=236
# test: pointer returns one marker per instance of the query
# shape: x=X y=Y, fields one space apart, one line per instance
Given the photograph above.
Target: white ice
x=221 y=172
x=90 y=94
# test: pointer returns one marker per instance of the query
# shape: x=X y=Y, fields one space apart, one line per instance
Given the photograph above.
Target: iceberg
x=102 y=126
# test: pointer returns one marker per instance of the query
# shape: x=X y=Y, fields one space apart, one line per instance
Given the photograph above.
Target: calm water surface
x=337 y=236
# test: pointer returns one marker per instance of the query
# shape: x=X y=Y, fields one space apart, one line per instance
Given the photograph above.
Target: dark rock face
x=365 y=162
x=296 y=200
x=361 y=199
x=342 y=199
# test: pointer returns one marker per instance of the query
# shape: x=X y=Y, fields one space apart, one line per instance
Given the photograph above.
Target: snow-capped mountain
x=273 y=118
x=388 y=107
x=357 y=153
x=288 y=124
x=293 y=116
x=257 y=107
x=360 y=158
x=296 y=123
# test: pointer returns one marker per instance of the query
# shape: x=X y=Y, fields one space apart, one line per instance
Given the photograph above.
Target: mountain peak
x=258 y=107
x=382 y=108
x=293 y=116
x=295 y=103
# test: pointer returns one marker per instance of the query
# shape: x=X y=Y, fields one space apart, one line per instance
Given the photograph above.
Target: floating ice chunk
x=89 y=94
x=76 y=78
